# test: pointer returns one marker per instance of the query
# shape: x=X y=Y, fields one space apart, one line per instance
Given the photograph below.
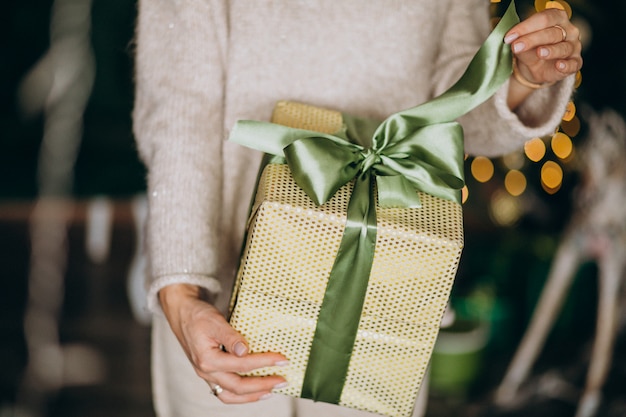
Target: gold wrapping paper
x=289 y=252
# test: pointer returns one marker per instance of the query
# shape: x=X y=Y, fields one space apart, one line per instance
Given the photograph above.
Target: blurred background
x=74 y=336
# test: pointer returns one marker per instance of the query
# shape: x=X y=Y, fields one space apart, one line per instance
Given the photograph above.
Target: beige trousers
x=179 y=392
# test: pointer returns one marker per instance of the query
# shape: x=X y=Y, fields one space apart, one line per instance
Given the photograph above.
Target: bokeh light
x=514 y=160
x=504 y=209
x=535 y=149
x=570 y=111
x=551 y=177
x=559 y=4
x=579 y=79
x=562 y=145
x=515 y=182
x=482 y=169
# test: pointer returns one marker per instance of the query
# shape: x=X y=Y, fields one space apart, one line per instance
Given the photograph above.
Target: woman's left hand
x=546 y=46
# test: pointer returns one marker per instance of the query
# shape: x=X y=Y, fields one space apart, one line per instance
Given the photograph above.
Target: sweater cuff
x=540 y=113
x=209 y=283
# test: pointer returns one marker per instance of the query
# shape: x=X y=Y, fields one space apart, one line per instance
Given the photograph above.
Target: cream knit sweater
x=203 y=64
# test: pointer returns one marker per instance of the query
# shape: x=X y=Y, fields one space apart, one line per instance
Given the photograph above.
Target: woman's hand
x=217 y=352
x=547 y=49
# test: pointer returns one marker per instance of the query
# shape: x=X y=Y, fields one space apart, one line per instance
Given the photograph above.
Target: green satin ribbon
x=417 y=149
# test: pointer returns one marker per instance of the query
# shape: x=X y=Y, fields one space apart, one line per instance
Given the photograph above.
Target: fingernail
x=281 y=385
x=266 y=396
x=543 y=52
x=281 y=363
x=510 y=38
x=240 y=349
x=561 y=65
x=518 y=47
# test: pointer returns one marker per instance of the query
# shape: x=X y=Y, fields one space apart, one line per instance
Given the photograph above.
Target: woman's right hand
x=217 y=352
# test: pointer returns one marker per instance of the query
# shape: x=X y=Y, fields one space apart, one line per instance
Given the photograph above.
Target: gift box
x=352 y=245
x=290 y=250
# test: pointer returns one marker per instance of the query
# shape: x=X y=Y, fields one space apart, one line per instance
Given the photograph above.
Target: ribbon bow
x=429 y=158
x=417 y=149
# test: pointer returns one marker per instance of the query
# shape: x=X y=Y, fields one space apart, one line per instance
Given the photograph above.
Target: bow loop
x=321 y=166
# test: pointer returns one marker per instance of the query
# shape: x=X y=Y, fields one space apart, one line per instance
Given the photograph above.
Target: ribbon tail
x=320 y=166
x=397 y=191
x=343 y=301
x=488 y=70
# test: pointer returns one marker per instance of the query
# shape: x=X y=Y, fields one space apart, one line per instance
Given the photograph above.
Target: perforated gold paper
x=289 y=253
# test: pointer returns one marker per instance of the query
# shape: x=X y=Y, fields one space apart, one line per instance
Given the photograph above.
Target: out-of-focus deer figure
x=596 y=232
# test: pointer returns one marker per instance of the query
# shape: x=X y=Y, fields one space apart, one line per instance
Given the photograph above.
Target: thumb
x=240 y=348
x=234 y=342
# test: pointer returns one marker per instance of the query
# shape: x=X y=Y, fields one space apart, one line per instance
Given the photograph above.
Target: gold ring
x=563 y=32
x=217 y=390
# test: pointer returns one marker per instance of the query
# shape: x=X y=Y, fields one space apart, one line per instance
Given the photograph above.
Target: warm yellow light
x=540 y=5
x=551 y=175
x=560 y=4
x=504 y=210
x=579 y=79
x=482 y=169
x=513 y=160
x=554 y=5
x=464 y=194
x=570 y=111
x=515 y=182
x=535 y=149
x=562 y=145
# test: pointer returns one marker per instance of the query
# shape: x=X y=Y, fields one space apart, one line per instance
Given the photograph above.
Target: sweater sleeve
x=492 y=129
x=178 y=128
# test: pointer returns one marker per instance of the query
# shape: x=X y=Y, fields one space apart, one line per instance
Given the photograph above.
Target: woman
x=203 y=64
